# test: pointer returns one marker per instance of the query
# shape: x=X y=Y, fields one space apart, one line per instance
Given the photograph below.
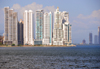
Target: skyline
x=61 y=34
x=83 y=21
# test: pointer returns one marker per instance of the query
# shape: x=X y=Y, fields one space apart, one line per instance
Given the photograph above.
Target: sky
x=84 y=15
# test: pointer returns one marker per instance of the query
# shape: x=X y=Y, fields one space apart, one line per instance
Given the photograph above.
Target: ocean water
x=79 y=57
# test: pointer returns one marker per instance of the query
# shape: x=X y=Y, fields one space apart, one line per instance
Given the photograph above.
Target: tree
x=13 y=44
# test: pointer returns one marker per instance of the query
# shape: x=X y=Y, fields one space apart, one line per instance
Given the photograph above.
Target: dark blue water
x=86 y=57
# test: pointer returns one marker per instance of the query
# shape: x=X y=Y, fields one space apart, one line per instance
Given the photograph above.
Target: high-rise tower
x=39 y=24
x=20 y=32
x=58 y=28
x=47 y=40
x=66 y=28
x=10 y=27
x=99 y=35
x=28 y=27
x=90 y=38
x=39 y=30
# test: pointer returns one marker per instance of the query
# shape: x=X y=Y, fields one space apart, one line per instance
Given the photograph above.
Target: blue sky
x=84 y=15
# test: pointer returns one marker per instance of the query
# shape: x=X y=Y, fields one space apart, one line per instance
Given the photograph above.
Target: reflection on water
x=85 y=57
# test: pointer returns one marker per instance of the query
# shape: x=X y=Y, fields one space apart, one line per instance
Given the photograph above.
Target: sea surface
x=79 y=57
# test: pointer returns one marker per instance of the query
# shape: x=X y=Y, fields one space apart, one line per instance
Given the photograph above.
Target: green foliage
x=13 y=45
x=0 y=43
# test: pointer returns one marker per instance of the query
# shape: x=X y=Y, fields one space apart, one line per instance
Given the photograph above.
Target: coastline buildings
x=58 y=28
x=96 y=39
x=10 y=26
x=47 y=40
x=39 y=27
x=20 y=32
x=62 y=28
x=84 y=42
x=99 y=35
x=66 y=28
x=90 y=38
x=1 y=40
x=28 y=27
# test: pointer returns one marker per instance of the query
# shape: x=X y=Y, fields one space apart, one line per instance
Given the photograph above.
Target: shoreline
x=42 y=46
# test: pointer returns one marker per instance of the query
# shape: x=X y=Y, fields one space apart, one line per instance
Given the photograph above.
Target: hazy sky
x=84 y=15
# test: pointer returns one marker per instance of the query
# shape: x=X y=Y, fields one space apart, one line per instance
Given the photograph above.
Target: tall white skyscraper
x=10 y=27
x=47 y=40
x=66 y=28
x=28 y=27
x=58 y=28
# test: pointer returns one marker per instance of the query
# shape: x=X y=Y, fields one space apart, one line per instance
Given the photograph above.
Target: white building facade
x=10 y=26
x=66 y=28
x=28 y=27
x=58 y=28
x=47 y=40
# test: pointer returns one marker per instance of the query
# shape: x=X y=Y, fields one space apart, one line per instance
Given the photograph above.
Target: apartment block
x=99 y=35
x=20 y=32
x=28 y=27
x=47 y=40
x=66 y=28
x=10 y=26
x=58 y=28
x=39 y=24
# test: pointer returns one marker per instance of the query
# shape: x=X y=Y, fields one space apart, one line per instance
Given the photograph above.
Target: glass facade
x=50 y=29
x=39 y=24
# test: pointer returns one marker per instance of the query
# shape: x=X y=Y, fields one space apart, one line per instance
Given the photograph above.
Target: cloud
x=16 y=6
x=94 y=14
x=87 y=22
x=82 y=25
x=49 y=8
x=20 y=10
x=34 y=6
